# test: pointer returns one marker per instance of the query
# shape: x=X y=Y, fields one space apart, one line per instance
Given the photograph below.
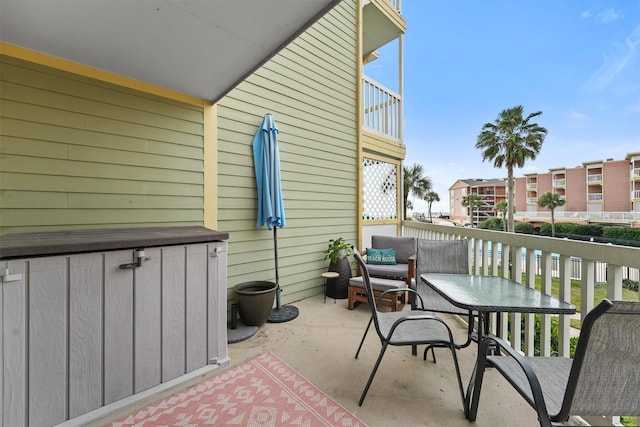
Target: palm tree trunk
x=510 y=227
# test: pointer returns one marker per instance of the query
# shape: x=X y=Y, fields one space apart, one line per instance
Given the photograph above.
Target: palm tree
x=431 y=197
x=551 y=201
x=415 y=184
x=510 y=141
x=501 y=208
x=472 y=200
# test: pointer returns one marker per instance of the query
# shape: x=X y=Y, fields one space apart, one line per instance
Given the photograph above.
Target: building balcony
x=532 y=186
x=559 y=182
x=381 y=110
x=597 y=177
x=532 y=200
x=382 y=23
x=594 y=197
x=635 y=195
x=635 y=174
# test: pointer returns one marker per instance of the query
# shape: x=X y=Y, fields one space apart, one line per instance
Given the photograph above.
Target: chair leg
x=364 y=336
x=426 y=350
x=373 y=373
x=460 y=386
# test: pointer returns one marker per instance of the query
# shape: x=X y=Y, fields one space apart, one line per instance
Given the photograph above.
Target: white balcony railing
x=559 y=182
x=580 y=216
x=635 y=172
x=594 y=197
x=396 y=4
x=532 y=186
x=532 y=200
x=594 y=178
x=381 y=109
x=548 y=259
x=635 y=194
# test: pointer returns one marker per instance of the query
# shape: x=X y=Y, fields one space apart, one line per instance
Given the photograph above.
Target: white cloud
x=577 y=116
x=586 y=14
x=608 y=15
x=616 y=63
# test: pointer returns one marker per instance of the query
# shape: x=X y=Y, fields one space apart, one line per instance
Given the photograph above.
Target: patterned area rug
x=260 y=393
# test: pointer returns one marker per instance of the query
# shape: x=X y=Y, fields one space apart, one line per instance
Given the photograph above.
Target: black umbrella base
x=283 y=314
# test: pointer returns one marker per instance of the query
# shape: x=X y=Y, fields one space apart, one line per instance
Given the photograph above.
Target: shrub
x=622 y=233
x=524 y=228
x=573 y=341
x=545 y=229
x=632 y=285
x=492 y=224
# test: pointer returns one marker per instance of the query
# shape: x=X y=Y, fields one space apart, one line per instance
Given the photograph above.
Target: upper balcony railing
x=559 y=182
x=532 y=185
x=537 y=261
x=381 y=113
x=635 y=194
x=532 y=200
x=597 y=177
x=635 y=173
x=594 y=197
x=396 y=4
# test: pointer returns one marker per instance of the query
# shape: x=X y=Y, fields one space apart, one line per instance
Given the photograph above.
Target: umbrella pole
x=275 y=250
x=288 y=312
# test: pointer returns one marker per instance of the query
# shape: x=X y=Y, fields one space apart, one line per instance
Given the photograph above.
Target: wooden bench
x=395 y=301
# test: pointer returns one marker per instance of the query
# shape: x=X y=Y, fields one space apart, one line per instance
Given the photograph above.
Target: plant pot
x=255 y=301
x=338 y=288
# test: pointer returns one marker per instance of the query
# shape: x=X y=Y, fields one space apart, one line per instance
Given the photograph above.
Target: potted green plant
x=337 y=253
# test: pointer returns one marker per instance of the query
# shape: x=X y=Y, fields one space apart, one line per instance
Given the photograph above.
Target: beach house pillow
x=381 y=256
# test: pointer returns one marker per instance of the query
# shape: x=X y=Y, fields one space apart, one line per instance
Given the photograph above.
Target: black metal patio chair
x=403 y=328
x=602 y=379
x=441 y=256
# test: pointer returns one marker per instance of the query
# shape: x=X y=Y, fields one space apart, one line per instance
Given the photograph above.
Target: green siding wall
x=310 y=89
x=79 y=153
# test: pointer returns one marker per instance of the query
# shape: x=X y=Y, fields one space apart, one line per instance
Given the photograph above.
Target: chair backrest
x=442 y=256
x=366 y=280
x=404 y=247
x=605 y=374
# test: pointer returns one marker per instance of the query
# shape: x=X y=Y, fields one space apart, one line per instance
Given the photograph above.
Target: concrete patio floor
x=321 y=343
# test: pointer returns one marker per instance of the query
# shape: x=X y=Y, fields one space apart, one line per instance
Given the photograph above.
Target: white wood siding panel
x=86 y=275
x=118 y=327
x=148 y=321
x=47 y=335
x=173 y=312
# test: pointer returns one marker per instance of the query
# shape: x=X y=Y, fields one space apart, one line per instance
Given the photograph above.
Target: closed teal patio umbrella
x=266 y=159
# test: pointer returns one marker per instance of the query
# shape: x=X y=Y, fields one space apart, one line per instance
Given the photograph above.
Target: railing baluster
x=546 y=274
x=564 y=295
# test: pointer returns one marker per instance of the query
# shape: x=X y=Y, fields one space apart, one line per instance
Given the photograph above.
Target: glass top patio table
x=489 y=294
x=494 y=294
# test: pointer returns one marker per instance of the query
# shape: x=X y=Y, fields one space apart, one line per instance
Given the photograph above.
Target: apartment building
x=492 y=191
x=596 y=191
x=606 y=192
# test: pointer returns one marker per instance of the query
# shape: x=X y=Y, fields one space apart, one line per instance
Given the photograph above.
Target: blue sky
x=577 y=61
